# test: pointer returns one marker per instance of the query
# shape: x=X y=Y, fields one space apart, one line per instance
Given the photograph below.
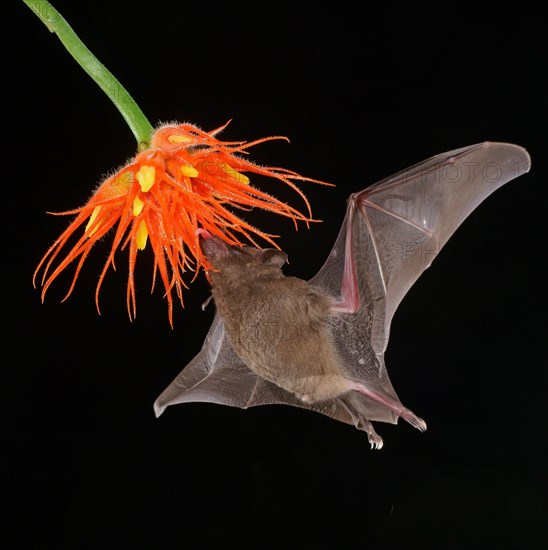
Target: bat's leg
x=392 y=404
x=360 y=422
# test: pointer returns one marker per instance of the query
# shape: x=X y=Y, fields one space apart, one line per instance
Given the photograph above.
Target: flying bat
x=320 y=344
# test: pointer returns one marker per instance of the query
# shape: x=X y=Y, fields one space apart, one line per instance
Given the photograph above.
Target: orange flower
x=187 y=180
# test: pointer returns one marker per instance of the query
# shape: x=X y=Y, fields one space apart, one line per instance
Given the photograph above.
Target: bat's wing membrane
x=217 y=375
x=395 y=228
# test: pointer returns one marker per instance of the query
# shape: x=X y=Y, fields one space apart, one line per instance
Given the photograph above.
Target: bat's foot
x=375 y=440
x=413 y=419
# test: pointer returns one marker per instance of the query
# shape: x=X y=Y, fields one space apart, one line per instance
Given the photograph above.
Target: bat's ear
x=273 y=257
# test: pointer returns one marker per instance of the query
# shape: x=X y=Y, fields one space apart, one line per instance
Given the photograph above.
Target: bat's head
x=220 y=254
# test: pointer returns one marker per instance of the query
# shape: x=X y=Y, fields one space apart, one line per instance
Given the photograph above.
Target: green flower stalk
x=56 y=23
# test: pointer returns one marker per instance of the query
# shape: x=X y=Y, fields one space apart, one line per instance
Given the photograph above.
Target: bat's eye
x=273 y=257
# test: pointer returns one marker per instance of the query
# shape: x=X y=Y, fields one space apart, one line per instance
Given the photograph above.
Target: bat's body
x=320 y=344
x=259 y=304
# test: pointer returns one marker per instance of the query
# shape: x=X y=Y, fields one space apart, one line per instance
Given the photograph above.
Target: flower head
x=186 y=181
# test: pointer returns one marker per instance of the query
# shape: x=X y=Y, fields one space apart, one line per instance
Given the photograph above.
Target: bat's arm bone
x=349 y=300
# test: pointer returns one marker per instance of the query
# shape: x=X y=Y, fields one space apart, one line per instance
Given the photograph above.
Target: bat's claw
x=375 y=441
x=414 y=420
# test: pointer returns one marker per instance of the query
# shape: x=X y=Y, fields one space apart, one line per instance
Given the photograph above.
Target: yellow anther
x=174 y=138
x=91 y=221
x=235 y=174
x=142 y=235
x=137 y=205
x=189 y=171
x=146 y=175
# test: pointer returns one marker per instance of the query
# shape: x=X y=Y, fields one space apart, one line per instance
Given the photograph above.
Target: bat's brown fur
x=278 y=325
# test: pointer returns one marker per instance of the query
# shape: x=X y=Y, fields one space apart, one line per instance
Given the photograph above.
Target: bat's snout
x=213 y=247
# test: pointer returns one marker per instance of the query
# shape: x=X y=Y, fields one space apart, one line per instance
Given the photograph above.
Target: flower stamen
x=142 y=235
x=146 y=176
x=189 y=171
x=175 y=138
x=138 y=205
x=91 y=223
x=240 y=178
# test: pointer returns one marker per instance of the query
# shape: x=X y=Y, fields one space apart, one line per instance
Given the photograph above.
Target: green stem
x=55 y=22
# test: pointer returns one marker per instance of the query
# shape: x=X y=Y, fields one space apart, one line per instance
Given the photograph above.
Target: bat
x=320 y=344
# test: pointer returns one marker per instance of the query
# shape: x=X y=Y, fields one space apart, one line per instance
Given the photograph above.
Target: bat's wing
x=394 y=229
x=217 y=375
x=392 y=232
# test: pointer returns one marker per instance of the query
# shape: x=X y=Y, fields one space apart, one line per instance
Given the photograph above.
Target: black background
x=361 y=94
